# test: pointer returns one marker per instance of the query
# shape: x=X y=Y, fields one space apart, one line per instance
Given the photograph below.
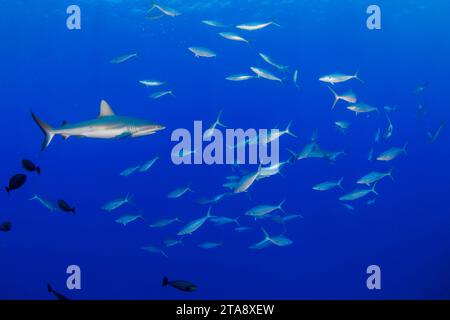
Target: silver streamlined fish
x=358 y=193
x=261 y=73
x=252 y=26
x=195 y=224
x=129 y=171
x=163 y=223
x=262 y=210
x=165 y=10
x=392 y=153
x=233 y=37
x=214 y=23
x=177 y=193
x=128 y=219
x=201 y=52
x=240 y=77
x=123 y=58
x=146 y=166
x=115 y=204
x=270 y=61
x=328 y=185
x=280 y=241
x=347 y=97
x=374 y=177
x=339 y=78
x=49 y=205
x=433 y=136
x=361 y=107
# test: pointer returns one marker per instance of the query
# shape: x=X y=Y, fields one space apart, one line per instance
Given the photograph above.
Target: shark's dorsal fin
x=105 y=109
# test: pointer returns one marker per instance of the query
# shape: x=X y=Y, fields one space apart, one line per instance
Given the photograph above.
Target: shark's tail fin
x=46 y=129
x=165 y=281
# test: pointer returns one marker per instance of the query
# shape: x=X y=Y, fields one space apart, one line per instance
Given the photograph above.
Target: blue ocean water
x=63 y=74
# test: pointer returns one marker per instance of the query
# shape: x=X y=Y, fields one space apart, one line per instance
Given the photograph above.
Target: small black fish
x=180 y=285
x=5 y=226
x=58 y=295
x=65 y=207
x=16 y=182
x=30 y=166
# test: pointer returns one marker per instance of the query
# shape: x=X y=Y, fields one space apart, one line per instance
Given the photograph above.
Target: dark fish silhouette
x=65 y=207
x=16 y=182
x=180 y=285
x=5 y=226
x=30 y=166
x=58 y=295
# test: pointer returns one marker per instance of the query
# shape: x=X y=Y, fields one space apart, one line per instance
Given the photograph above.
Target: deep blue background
x=63 y=75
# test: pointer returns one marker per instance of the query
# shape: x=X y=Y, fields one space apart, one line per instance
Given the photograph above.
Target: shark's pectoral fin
x=123 y=135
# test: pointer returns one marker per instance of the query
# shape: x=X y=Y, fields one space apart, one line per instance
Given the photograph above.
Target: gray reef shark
x=106 y=126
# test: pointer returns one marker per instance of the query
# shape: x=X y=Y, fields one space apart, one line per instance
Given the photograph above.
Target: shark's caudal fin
x=165 y=281
x=46 y=129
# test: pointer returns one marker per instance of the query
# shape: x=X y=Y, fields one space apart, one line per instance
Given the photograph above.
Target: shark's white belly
x=93 y=132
